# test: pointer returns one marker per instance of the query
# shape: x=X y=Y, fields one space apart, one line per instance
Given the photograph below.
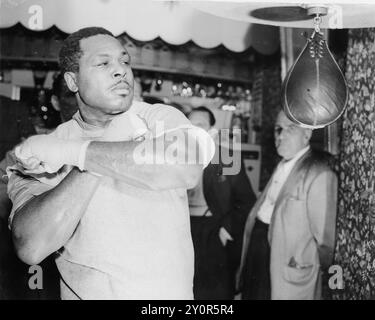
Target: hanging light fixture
x=315 y=92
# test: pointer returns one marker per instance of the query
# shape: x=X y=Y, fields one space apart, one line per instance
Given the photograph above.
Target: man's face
x=105 y=80
x=200 y=119
x=289 y=138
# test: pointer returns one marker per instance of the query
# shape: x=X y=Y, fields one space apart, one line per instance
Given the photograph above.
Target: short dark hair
x=71 y=51
x=205 y=109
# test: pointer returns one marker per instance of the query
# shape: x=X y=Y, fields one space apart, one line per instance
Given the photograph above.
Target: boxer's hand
x=30 y=166
x=46 y=153
x=129 y=128
x=141 y=130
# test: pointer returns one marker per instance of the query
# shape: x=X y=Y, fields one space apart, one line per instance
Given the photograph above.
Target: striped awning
x=176 y=22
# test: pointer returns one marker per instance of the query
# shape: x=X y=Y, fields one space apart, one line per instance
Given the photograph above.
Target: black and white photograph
x=188 y=156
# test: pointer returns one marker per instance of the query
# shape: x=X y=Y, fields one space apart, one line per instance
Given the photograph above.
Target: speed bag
x=314 y=92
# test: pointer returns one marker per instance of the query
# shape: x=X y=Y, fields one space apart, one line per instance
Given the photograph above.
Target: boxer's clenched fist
x=46 y=153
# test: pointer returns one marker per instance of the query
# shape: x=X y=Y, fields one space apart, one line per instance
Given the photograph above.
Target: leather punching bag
x=314 y=92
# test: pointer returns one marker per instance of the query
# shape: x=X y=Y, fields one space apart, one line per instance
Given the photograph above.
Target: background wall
x=355 y=244
x=269 y=74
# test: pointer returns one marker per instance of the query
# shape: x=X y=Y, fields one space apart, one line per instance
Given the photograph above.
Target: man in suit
x=218 y=206
x=289 y=234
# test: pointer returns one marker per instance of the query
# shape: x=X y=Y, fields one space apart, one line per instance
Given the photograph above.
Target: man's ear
x=308 y=134
x=55 y=102
x=71 y=81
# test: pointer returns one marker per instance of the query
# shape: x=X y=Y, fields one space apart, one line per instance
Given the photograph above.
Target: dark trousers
x=256 y=274
x=212 y=276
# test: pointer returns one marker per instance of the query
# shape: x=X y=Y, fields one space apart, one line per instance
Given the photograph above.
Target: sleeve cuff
x=82 y=155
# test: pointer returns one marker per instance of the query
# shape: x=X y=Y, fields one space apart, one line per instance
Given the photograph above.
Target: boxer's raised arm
x=160 y=163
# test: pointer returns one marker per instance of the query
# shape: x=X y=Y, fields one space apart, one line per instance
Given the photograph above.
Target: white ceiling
x=175 y=22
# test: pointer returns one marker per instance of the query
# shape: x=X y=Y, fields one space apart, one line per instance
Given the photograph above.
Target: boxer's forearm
x=118 y=160
x=45 y=223
x=173 y=160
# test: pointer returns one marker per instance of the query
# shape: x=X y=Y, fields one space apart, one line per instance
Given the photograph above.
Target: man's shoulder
x=318 y=162
x=66 y=129
x=141 y=106
x=144 y=108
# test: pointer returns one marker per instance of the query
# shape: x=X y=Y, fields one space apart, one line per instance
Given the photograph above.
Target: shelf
x=190 y=73
x=173 y=71
x=192 y=101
